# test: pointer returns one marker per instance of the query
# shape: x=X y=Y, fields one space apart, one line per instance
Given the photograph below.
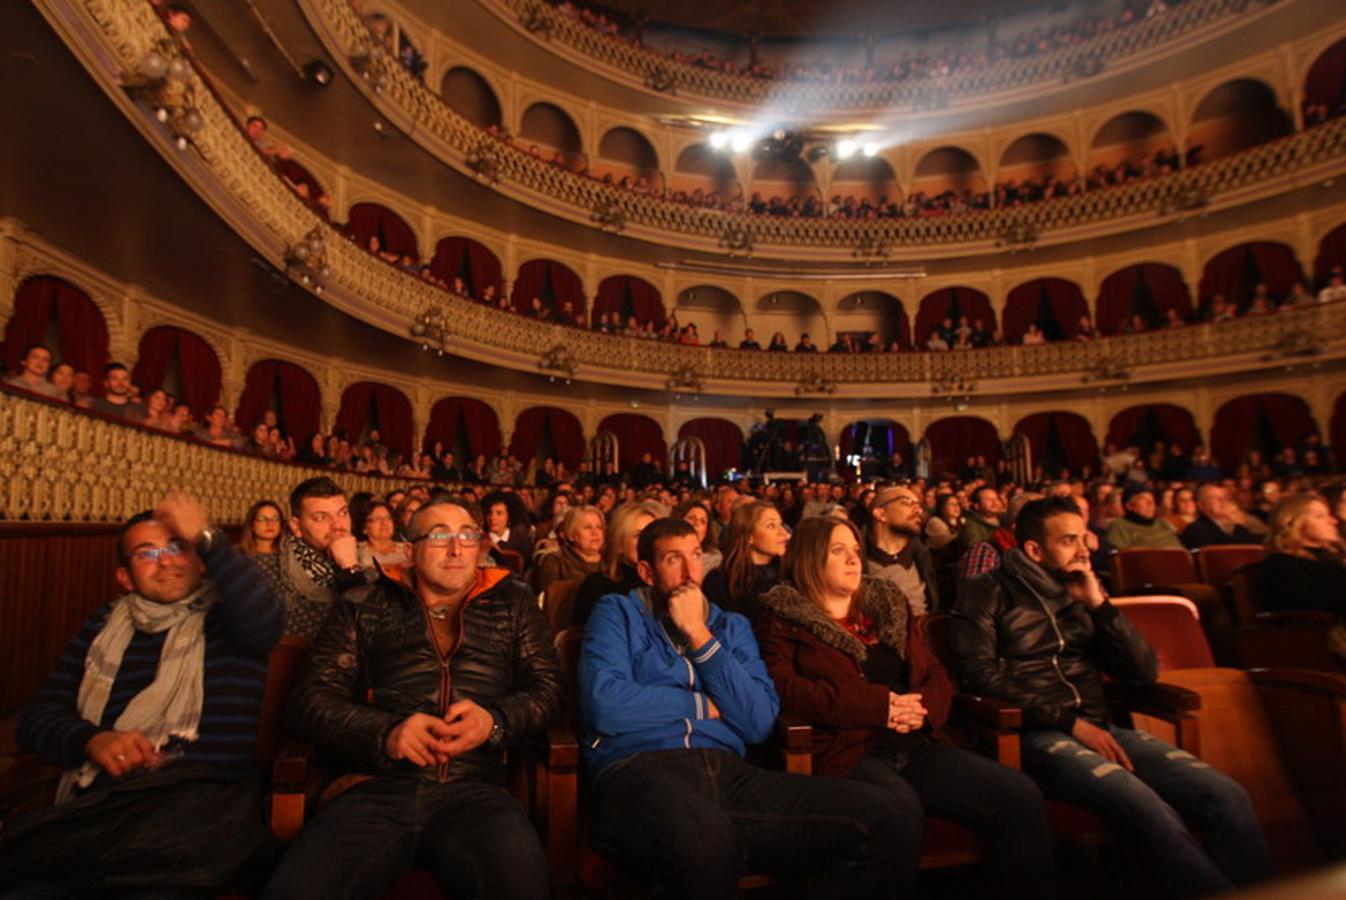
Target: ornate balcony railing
x=654 y=69
x=512 y=171
x=61 y=464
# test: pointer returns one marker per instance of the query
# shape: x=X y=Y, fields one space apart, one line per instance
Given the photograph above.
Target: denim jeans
x=692 y=821
x=1153 y=807
x=1001 y=805
x=474 y=837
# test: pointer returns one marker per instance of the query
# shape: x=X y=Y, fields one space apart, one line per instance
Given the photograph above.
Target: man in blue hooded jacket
x=672 y=690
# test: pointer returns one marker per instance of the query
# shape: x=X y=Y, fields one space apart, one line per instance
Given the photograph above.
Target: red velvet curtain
x=367 y=220
x=629 y=296
x=1238 y=425
x=551 y=281
x=367 y=404
x=1120 y=291
x=198 y=366
x=1065 y=305
x=1230 y=272
x=567 y=435
x=287 y=388
x=462 y=257
x=1073 y=433
x=79 y=325
x=1326 y=82
x=1331 y=252
x=954 y=439
x=1338 y=433
x=1175 y=423
x=636 y=435
x=479 y=423
x=935 y=307
x=723 y=440
x=296 y=174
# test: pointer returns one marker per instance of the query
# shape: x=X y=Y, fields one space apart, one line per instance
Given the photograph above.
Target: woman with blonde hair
x=580 y=540
x=752 y=543
x=1303 y=569
x=618 y=573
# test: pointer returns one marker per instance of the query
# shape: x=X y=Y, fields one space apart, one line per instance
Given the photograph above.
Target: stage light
x=718 y=140
x=871 y=149
x=845 y=149
x=740 y=142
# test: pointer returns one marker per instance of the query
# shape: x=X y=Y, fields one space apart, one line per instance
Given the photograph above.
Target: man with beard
x=672 y=689
x=116 y=399
x=422 y=688
x=895 y=551
x=984 y=509
x=1039 y=633
x=1140 y=527
x=318 y=559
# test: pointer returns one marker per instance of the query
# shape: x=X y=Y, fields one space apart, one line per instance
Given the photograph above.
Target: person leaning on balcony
x=117 y=390
x=32 y=376
x=1139 y=527
x=749 y=341
x=1336 y=287
x=421 y=688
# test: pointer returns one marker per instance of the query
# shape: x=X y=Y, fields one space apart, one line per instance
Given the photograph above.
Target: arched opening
x=52 y=311
x=627 y=158
x=1054 y=305
x=699 y=172
x=711 y=309
x=867 y=448
x=862 y=185
x=874 y=312
x=1262 y=422
x=286 y=388
x=556 y=288
x=1236 y=273
x=785 y=186
x=953 y=308
x=1128 y=146
x=956 y=439
x=1062 y=443
x=1148 y=290
x=636 y=435
x=380 y=230
x=1235 y=116
x=723 y=441
x=180 y=363
x=789 y=313
x=547 y=131
x=305 y=184
x=542 y=432
x=463 y=259
x=368 y=407
x=1034 y=167
x=463 y=426
x=468 y=94
x=1325 y=85
x=1144 y=426
x=624 y=297
x=1331 y=254
x=947 y=173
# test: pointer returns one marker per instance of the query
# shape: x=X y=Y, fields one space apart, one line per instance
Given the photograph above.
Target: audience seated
x=152 y=711
x=618 y=574
x=1220 y=521
x=261 y=529
x=696 y=512
x=1140 y=526
x=895 y=551
x=753 y=543
x=32 y=374
x=579 y=550
x=1303 y=568
x=507 y=526
x=117 y=399
x=378 y=550
x=421 y=689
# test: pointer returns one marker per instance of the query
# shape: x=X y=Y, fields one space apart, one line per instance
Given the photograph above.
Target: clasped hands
x=429 y=740
x=905 y=712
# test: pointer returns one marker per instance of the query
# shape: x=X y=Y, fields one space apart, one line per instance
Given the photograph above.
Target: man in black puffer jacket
x=422 y=688
x=1038 y=632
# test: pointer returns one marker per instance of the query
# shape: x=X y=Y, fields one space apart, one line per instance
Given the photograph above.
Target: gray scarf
x=1033 y=576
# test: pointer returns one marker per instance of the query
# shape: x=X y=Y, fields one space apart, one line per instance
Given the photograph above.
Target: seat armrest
x=1295 y=617
x=563 y=748
x=1331 y=684
x=987 y=711
x=25 y=780
x=293 y=765
x=795 y=735
x=1158 y=699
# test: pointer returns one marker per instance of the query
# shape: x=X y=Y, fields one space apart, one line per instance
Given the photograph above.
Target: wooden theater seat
x=1172 y=571
x=1274 y=639
x=1218 y=563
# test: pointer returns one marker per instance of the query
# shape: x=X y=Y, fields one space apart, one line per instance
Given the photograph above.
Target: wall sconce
x=431 y=327
x=162 y=81
x=306 y=260
x=558 y=363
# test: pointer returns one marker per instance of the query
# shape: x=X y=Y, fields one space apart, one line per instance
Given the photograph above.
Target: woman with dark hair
x=946 y=524
x=752 y=543
x=507 y=525
x=378 y=543
x=847 y=657
x=261 y=529
x=696 y=512
x=778 y=343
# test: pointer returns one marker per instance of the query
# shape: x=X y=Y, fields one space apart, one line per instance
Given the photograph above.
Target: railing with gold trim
x=652 y=68
x=511 y=170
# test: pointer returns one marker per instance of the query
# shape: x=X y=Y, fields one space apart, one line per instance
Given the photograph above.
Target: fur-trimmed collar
x=879 y=599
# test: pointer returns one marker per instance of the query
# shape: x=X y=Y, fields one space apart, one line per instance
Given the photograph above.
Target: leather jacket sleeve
x=322 y=708
x=1119 y=647
x=536 y=699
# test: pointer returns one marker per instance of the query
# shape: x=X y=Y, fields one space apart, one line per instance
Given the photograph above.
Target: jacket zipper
x=691 y=683
x=1060 y=648
x=442 y=771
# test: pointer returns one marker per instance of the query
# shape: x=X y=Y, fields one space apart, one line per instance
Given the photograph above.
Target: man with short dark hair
x=116 y=399
x=423 y=687
x=34 y=366
x=895 y=550
x=672 y=689
x=153 y=712
x=984 y=509
x=1040 y=633
x=318 y=559
x=749 y=341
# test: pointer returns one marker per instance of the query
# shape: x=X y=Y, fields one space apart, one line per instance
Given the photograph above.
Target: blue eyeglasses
x=152 y=555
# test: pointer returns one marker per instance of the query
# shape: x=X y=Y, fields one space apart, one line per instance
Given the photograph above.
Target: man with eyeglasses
x=153 y=712
x=318 y=559
x=420 y=688
x=895 y=551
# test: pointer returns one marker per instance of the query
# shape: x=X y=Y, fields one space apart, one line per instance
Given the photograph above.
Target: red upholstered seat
x=1173 y=627
x=1146 y=567
x=1218 y=563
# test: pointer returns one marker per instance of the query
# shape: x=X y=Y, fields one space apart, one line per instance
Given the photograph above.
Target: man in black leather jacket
x=421 y=689
x=1039 y=632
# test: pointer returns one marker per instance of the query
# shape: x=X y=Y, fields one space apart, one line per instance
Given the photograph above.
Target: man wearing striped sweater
x=153 y=712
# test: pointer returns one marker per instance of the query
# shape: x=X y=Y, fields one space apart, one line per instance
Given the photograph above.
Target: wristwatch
x=211 y=538
x=497 y=738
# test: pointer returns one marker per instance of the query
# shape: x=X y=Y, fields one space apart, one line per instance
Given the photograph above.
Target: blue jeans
x=473 y=836
x=692 y=821
x=1154 y=806
x=1001 y=805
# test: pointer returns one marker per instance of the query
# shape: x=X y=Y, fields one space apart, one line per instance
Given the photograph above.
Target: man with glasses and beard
x=672 y=689
x=1040 y=633
x=421 y=688
x=894 y=550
